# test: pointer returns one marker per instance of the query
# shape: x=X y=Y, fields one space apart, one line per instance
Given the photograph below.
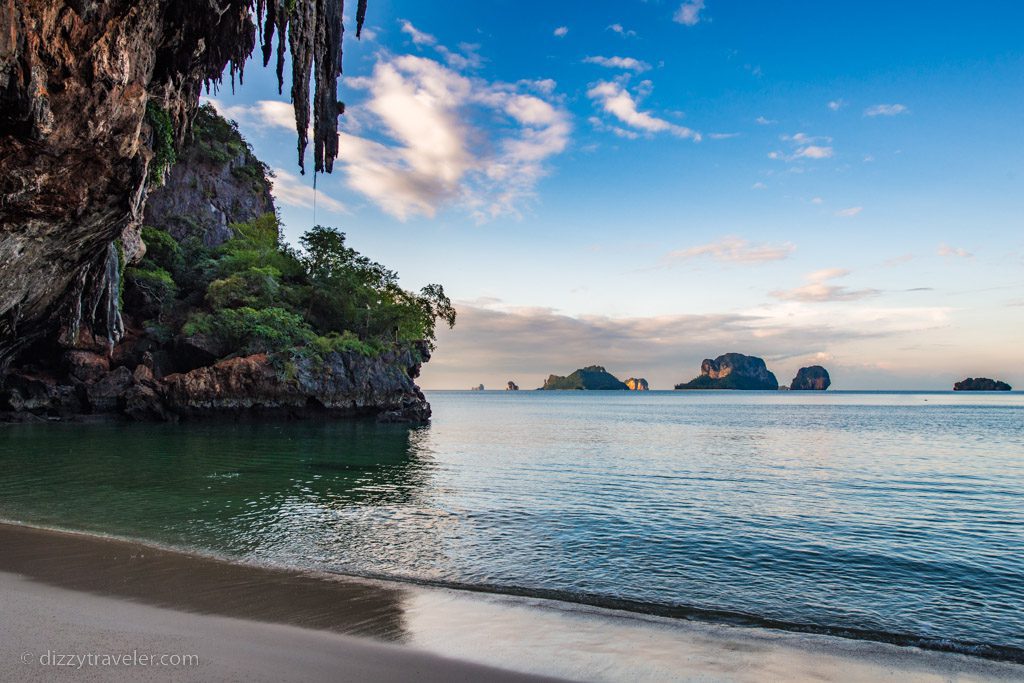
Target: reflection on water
x=889 y=513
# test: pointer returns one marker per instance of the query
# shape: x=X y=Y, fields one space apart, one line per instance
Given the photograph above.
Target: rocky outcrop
x=981 y=384
x=637 y=384
x=94 y=99
x=813 y=378
x=592 y=377
x=733 y=371
x=512 y=386
x=339 y=385
x=344 y=384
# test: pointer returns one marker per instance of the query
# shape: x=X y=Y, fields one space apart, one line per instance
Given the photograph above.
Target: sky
x=641 y=185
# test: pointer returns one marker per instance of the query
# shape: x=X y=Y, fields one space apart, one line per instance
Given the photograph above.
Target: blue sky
x=646 y=184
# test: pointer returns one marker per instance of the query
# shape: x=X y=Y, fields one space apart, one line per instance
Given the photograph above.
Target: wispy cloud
x=958 y=252
x=849 y=212
x=804 y=147
x=817 y=289
x=731 y=249
x=466 y=59
x=763 y=121
x=688 y=13
x=259 y=115
x=625 y=33
x=836 y=105
x=723 y=136
x=561 y=31
x=886 y=110
x=615 y=100
x=628 y=63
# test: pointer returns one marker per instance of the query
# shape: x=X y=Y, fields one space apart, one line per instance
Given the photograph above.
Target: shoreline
x=531 y=635
x=581 y=601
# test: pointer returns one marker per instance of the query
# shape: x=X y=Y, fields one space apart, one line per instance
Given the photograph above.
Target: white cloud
x=615 y=100
x=762 y=121
x=731 y=249
x=814 y=152
x=836 y=105
x=466 y=59
x=959 y=252
x=817 y=200
x=722 y=136
x=805 y=147
x=627 y=63
x=817 y=289
x=850 y=212
x=561 y=31
x=617 y=28
x=759 y=186
x=426 y=153
x=418 y=37
x=688 y=13
x=260 y=115
x=886 y=110
x=290 y=190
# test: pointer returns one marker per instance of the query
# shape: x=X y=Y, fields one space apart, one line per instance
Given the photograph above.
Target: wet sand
x=69 y=594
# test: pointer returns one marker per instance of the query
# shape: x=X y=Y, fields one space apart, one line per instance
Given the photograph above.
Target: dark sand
x=71 y=594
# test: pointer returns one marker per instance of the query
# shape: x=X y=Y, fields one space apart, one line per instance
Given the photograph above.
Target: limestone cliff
x=637 y=384
x=813 y=378
x=733 y=371
x=158 y=369
x=95 y=97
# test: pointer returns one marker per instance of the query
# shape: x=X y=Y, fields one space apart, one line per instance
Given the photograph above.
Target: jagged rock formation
x=512 y=386
x=813 y=378
x=592 y=377
x=733 y=371
x=479 y=387
x=94 y=99
x=637 y=384
x=981 y=384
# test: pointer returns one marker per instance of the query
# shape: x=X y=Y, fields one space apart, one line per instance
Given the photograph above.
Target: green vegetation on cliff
x=239 y=289
x=592 y=377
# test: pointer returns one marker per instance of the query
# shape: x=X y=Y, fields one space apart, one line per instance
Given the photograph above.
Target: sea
x=890 y=516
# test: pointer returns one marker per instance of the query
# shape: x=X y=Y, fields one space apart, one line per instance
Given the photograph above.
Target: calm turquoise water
x=888 y=515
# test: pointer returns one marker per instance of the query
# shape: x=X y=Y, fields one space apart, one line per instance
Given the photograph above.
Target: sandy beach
x=71 y=602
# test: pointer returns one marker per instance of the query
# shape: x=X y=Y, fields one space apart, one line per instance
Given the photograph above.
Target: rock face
x=512 y=386
x=733 y=371
x=77 y=78
x=637 y=384
x=94 y=99
x=217 y=181
x=981 y=384
x=593 y=377
x=813 y=378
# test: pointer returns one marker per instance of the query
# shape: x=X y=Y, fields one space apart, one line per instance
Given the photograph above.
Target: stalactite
x=313 y=30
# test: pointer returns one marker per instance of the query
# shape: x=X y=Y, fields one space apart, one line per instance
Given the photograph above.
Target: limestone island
x=814 y=378
x=637 y=384
x=733 y=371
x=593 y=377
x=981 y=384
x=512 y=386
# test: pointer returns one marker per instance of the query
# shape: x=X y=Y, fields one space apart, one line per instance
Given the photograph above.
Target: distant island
x=981 y=384
x=593 y=378
x=479 y=387
x=512 y=386
x=733 y=371
x=813 y=378
x=637 y=384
